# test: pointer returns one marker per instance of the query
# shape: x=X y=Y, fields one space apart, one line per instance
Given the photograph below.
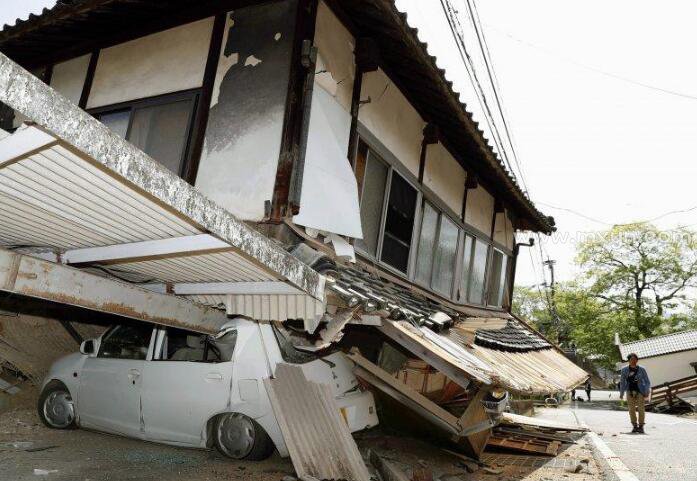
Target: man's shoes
x=640 y=429
x=635 y=429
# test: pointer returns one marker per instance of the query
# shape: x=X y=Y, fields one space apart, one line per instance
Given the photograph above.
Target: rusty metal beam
x=87 y=137
x=32 y=277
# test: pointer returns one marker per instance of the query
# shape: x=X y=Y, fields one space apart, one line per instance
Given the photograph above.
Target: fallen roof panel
x=110 y=212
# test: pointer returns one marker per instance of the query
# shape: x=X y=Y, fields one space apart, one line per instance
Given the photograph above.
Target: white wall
x=69 y=77
x=391 y=119
x=242 y=142
x=157 y=64
x=444 y=176
x=479 y=210
x=335 y=46
x=503 y=230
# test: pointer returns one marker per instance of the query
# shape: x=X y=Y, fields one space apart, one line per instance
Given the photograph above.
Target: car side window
x=126 y=341
x=180 y=345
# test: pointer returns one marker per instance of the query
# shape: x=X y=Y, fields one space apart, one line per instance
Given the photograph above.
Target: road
x=665 y=453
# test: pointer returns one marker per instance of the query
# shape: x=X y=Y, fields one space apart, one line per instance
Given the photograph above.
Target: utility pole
x=553 y=303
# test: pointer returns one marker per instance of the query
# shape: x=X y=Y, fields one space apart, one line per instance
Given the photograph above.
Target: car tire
x=56 y=408
x=238 y=436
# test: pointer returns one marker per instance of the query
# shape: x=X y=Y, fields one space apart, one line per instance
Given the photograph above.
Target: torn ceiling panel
x=128 y=177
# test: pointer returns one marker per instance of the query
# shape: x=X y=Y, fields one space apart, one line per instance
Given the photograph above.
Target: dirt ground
x=30 y=451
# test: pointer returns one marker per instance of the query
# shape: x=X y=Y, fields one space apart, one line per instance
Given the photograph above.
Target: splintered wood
x=318 y=440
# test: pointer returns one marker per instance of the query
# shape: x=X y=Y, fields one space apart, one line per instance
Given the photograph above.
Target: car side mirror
x=87 y=347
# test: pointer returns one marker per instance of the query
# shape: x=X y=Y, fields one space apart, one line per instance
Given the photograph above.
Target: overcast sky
x=605 y=148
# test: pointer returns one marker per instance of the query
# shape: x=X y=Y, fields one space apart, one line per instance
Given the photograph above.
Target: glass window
x=399 y=223
x=180 y=345
x=466 y=268
x=126 y=341
x=427 y=242
x=161 y=131
x=117 y=122
x=160 y=127
x=478 y=272
x=375 y=180
x=444 y=258
x=497 y=278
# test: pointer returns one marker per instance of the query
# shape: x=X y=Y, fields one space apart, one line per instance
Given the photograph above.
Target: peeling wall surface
x=444 y=176
x=243 y=137
x=160 y=63
x=503 y=230
x=480 y=209
x=329 y=200
x=68 y=77
x=392 y=119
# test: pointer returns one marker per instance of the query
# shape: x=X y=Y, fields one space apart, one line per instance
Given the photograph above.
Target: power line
x=458 y=35
x=619 y=224
x=615 y=76
x=476 y=22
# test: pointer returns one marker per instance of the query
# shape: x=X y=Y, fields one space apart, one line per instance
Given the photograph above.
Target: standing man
x=634 y=380
x=589 y=388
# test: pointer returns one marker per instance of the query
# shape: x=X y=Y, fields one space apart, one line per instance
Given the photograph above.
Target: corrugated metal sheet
x=264 y=307
x=273 y=307
x=535 y=372
x=318 y=438
x=55 y=199
x=656 y=346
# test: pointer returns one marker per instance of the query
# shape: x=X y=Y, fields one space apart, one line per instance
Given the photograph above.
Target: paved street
x=665 y=453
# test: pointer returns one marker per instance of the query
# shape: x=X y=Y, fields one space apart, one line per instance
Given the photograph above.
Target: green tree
x=641 y=274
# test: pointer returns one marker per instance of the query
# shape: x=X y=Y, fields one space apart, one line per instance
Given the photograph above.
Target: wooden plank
x=550 y=449
x=460 y=371
x=475 y=413
x=517 y=419
x=418 y=398
x=318 y=439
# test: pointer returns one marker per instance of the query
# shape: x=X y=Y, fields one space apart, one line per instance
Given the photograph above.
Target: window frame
x=194 y=95
x=425 y=194
x=115 y=327
x=391 y=169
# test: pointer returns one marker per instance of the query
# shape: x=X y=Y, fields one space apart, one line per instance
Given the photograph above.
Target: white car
x=176 y=387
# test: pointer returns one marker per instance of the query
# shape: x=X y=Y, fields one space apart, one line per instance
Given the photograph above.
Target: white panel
x=160 y=63
x=480 y=209
x=274 y=307
x=69 y=77
x=503 y=231
x=335 y=64
x=390 y=117
x=329 y=199
x=444 y=176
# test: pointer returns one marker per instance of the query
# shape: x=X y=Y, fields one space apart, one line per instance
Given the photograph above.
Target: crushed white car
x=176 y=387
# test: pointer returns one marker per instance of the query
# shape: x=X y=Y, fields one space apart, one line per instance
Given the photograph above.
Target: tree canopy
x=635 y=280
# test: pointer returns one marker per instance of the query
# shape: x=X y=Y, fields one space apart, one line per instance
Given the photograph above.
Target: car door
x=111 y=381
x=188 y=382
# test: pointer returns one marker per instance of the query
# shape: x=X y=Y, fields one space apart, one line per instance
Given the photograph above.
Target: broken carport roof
x=72 y=187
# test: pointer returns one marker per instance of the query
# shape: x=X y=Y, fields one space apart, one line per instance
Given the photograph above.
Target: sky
x=595 y=148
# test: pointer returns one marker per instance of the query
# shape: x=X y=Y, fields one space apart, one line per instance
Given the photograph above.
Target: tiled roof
x=656 y=346
x=406 y=304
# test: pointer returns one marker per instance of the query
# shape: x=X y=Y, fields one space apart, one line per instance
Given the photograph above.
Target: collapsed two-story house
x=285 y=160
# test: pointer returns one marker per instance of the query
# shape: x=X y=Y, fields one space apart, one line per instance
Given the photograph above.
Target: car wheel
x=56 y=407
x=240 y=437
